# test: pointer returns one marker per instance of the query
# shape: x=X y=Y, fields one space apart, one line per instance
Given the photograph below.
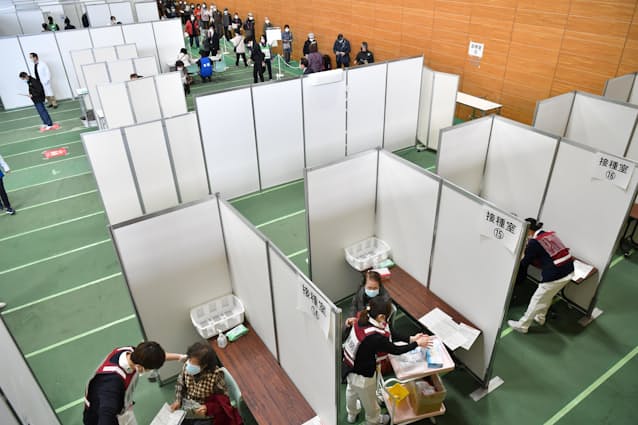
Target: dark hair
x=314 y=48
x=67 y=21
x=533 y=224
x=112 y=17
x=364 y=44
x=44 y=26
x=179 y=63
x=304 y=62
x=134 y=75
x=205 y=354
x=23 y=74
x=50 y=18
x=183 y=50
x=286 y=26
x=376 y=306
x=149 y=355
x=33 y=55
x=372 y=275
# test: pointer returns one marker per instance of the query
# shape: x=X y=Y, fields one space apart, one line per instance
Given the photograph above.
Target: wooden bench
x=266 y=389
x=628 y=240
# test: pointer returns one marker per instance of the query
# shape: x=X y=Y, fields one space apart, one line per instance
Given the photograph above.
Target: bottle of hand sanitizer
x=222 y=341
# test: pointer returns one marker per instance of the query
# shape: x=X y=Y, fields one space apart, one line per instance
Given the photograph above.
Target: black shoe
x=55 y=106
x=11 y=211
x=49 y=106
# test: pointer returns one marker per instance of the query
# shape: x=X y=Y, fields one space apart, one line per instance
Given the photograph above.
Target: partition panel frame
x=569 y=114
x=633 y=75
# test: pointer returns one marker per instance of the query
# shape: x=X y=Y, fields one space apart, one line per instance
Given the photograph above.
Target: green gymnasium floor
x=68 y=304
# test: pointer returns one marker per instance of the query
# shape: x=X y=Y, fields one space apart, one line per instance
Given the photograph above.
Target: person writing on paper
x=365 y=56
x=370 y=288
x=545 y=250
x=201 y=389
x=109 y=393
x=369 y=342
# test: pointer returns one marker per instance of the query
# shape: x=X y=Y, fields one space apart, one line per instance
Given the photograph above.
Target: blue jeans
x=44 y=114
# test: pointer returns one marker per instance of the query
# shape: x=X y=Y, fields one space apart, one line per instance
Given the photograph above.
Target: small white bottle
x=222 y=341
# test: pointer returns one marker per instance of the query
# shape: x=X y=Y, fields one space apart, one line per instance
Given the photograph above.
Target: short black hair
x=205 y=354
x=304 y=62
x=149 y=355
x=178 y=64
x=183 y=50
x=534 y=224
x=33 y=55
x=23 y=75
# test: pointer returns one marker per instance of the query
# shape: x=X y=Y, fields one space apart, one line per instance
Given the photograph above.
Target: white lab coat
x=4 y=165
x=45 y=77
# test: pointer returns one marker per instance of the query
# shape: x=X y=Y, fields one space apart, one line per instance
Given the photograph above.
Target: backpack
x=206 y=67
x=327 y=63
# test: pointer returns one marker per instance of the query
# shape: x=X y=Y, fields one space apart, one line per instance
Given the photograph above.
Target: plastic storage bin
x=426 y=403
x=218 y=315
x=367 y=253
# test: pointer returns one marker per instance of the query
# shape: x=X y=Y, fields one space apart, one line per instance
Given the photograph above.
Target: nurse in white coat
x=42 y=73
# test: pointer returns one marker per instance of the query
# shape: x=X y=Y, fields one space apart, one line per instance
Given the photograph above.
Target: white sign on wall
x=612 y=169
x=311 y=303
x=475 y=49
x=499 y=227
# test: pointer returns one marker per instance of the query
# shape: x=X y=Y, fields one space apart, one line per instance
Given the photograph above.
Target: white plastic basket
x=218 y=315
x=367 y=253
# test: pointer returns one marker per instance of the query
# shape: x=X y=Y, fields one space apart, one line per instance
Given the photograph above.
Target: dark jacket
x=36 y=90
x=364 y=57
x=536 y=254
x=361 y=300
x=306 y=46
x=256 y=54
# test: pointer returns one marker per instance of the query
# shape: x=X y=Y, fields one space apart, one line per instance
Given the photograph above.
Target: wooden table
x=266 y=389
x=475 y=103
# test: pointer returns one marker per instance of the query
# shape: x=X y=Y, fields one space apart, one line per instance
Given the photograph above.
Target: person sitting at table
x=185 y=57
x=369 y=289
x=545 y=250
x=201 y=389
x=369 y=342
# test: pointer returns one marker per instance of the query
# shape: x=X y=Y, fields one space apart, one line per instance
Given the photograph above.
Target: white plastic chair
x=234 y=393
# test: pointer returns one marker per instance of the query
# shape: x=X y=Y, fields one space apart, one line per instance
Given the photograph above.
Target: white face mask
x=287 y=29
x=267 y=21
x=236 y=16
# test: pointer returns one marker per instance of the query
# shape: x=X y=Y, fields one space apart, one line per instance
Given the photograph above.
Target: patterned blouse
x=201 y=386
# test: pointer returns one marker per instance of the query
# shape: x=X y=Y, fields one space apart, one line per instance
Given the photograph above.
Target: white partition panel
x=324 y=106
x=519 y=162
x=619 y=88
x=79 y=58
x=142 y=36
x=340 y=201
x=112 y=171
x=173 y=262
x=365 y=109
x=147 y=11
x=425 y=106
x=319 y=382
x=68 y=42
x=472 y=273
x=552 y=115
x=99 y=15
x=115 y=105
x=406 y=195
x=403 y=90
x=13 y=91
x=152 y=165
x=462 y=153
x=31 y=21
x=95 y=74
x=249 y=269
x=632 y=152
x=104 y=54
x=144 y=100
x=443 y=105
x=122 y=12
x=602 y=124
x=74 y=13
x=9 y=24
x=169 y=38
x=146 y=67
x=120 y=70
x=188 y=157
x=633 y=97
x=126 y=51
x=278 y=120
x=228 y=137
x=170 y=91
x=47 y=50
x=106 y=36
x=20 y=387
x=588 y=214
x=7 y=417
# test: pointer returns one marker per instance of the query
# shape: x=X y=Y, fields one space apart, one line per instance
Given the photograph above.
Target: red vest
x=554 y=247
x=113 y=367
x=356 y=337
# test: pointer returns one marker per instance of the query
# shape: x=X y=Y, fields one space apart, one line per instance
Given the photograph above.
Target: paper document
x=581 y=270
x=452 y=334
x=313 y=421
x=166 y=417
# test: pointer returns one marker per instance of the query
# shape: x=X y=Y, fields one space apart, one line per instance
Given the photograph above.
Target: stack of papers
x=166 y=417
x=453 y=334
x=581 y=270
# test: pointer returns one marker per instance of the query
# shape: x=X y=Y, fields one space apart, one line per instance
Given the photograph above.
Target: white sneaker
x=540 y=319
x=2 y=305
x=353 y=418
x=384 y=419
x=514 y=324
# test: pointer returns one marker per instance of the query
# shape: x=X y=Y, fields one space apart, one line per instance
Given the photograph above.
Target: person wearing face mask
x=205 y=13
x=227 y=24
x=267 y=25
x=201 y=389
x=240 y=48
x=186 y=79
x=369 y=289
x=341 y=49
x=258 y=58
x=192 y=29
x=265 y=49
x=236 y=23
x=309 y=42
x=109 y=393
x=286 y=42
x=216 y=21
x=365 y=56
x=249 y=27
x=369 y=342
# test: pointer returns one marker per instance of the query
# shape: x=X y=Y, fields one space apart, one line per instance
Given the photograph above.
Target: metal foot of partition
x=479 y=393
x=588 y=319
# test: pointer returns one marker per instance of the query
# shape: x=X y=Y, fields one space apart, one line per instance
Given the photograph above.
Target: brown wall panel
x=533 y=48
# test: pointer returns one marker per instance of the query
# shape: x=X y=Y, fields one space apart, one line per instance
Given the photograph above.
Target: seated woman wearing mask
x=201 y=389
x=370 y=288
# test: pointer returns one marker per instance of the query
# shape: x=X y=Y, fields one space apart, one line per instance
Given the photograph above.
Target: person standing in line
x=315 y=60
x=286 y=42
x=5 y=204
x=239 y=47
x=236 y=23
x=249 y=27
x=547 y=251
x=192 y=29
x=267 y=25
x=43 y=74
x=52 y=25
x=216 y=21
x=227 y=22
x=205 y=17
x=265 y=49
x=36 y=93
x=341 y=49
x=309 y=42
x=365 y=56
x=258 y=58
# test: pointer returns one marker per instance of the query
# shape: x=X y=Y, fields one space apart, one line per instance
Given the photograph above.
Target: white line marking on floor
x=272 y=189
x=48 y=163
x=61 y=223
x=36 y=127
x=58 y=200
x=49 y=181
x=46 y=134
x=43 y=149
x=294 y=254
x=275 y=220
x=69 y=405
x=35 y=116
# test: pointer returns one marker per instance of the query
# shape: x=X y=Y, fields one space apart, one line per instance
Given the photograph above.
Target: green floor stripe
x=79 y=336
x=275 y=220
x=58 y=294
x=69 y=405
x=506 y=332
x=431 y=168
x=272 y=189
x=48 y=163
x=65 y=198
x=597 y=383
x=71 y=220
x=616 y=261
x=50 y=181
x=53 y=257
x=294 y=254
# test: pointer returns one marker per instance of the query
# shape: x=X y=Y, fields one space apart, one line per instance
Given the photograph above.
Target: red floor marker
x=54 y=153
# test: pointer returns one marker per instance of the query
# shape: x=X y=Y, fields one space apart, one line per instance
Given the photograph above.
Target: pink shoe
x=44 y=128
x=55 y=126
